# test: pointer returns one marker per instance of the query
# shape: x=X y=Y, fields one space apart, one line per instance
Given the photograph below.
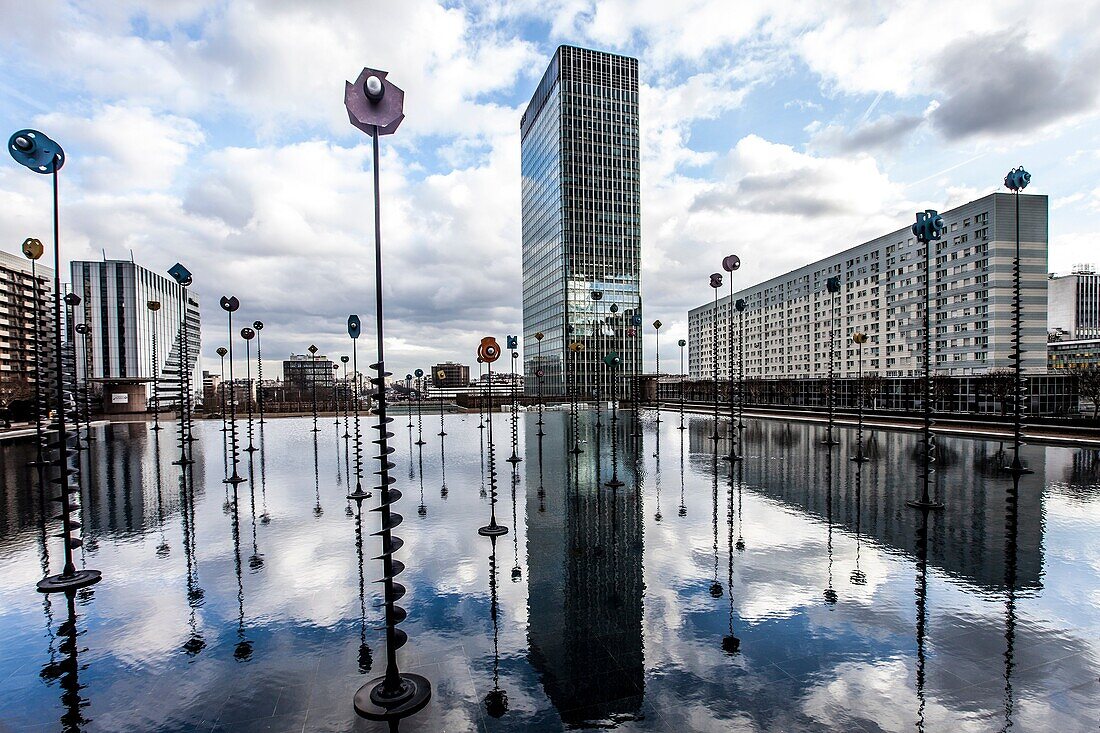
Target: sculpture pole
x=71 y=301
x=154 y=308
x=513 y=344
x=715 y=283
x=33 y=249
x=1016 y=181
x=259 y=326
x=248 y=334
x=657 y=353
x=230 y=304
x=730 y=263
x=347 y=398
x=538 y=376
x=928 y=229
x=682 y=343
x=860 y=339
x=832 y=286
x=313 y=382
x=597 y=298
x=183 y=278
x=489 y=351
x=40 y=154
x=375 y=106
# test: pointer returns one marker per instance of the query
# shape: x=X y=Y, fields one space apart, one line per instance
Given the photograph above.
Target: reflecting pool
x=793 y=592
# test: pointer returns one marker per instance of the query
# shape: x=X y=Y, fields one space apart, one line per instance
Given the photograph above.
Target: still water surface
x=797 y=593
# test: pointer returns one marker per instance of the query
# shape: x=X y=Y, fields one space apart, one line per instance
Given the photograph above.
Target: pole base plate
x=60 y=583
x=372 y=703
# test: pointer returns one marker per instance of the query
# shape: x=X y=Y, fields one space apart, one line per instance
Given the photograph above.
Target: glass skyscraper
x=581 y=220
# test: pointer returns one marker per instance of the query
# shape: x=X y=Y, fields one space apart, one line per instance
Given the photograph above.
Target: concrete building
x=581 y=217
x=1073 y=304
x=787 y=322
x=114 y=304
x=23 y=358
x=457 y=375
x=301 y=371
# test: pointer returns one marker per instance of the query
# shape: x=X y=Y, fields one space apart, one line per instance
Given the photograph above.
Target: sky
x=214 y=134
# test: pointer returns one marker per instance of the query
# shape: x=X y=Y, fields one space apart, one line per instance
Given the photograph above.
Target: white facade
x=788 y=319
x=18 y=360
x=114 y=303
x=1073 y=304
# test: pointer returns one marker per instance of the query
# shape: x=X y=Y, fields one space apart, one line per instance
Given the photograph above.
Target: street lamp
x=860 y=339
x=927 y=229
x=1016 y=181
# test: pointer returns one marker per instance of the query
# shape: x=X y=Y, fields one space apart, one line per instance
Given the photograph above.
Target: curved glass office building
x=581 y=220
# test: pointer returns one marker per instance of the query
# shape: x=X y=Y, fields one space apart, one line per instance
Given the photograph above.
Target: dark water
x=800 y=594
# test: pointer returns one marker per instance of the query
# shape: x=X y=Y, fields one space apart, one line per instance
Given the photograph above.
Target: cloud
x=885 y=133
x=1008 y=87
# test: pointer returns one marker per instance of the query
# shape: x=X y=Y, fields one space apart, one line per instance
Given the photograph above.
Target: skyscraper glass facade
x=581 y=220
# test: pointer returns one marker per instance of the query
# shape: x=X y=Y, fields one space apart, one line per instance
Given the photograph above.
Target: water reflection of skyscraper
x=585 y=588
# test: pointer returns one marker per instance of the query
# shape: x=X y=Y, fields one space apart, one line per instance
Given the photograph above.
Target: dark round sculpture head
x=540 y=336
x=419 y=373
x=489 y=350
x=32 y=248
x=1017 y=179
x=354 y=326
x=345 y=359
x=833 y=284
x=682 y=343
x=34 y=150
x=740 y=305
x=258 y=325
x=657 y=325
x=81 y=328
x=374 y=104
x=496 y=703
x=597 y=295
x=859 y=338
x=153 y=305
x=731 y=263
x=72 y=299
x=229 y=303
x=614 y=307
x=716 y=280
x=222 y=351
x=181 y=275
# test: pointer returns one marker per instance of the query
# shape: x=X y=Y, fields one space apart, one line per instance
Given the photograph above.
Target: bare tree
x=14 y=388
x=997 y=384
x=1087 y=377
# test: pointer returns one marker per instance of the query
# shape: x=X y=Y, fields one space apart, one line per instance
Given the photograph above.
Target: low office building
x=117 y=352
x=455 y=375
x=789 y=320
x=1073 y=304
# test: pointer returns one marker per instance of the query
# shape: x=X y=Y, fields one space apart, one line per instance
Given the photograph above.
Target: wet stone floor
x=794 y=591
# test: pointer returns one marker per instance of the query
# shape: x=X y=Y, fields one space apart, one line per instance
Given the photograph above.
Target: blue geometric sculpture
x=36 y=151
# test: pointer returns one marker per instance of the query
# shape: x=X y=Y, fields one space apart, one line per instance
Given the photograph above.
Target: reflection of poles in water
x=683 y=507
x=730 y=643
x=542 y=489
x=858 y=577
x=256 y=561
x=740 y=544
x=264 y=516
x=1012 y=521
x=195 y=642
x=366 y=659
x=614 y=481
x=830 y=594
x=921 y=593
x=517 y=573
x=657 y=469
x=318 y=510
x=162 y=548
x=715 y=586
x=442 y=470
x=496 y=701
x=66 y=670
x=422 y=509
x=242 y=651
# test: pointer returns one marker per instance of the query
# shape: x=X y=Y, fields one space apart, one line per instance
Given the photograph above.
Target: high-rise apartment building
x=788 y=319
x=1073 y=304
x=581 y=208
x=114 y=304
x=19 y=359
